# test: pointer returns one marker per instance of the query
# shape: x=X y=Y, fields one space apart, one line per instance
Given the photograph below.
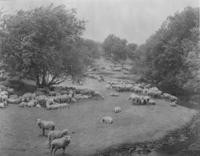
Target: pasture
x=20 y=136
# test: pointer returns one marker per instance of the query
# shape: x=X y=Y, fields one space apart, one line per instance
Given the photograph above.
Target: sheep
x=117 y=109
x=55 y=134
x=114 y=94
x=60 y=143
x=32 y=103
x=170 y=97
x=154 y=92
x=151 y=102
x=173 y=104
x=2 y=105
x=107 y=119
x=45 y=125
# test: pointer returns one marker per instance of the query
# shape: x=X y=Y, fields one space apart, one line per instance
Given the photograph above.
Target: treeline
x=170 y=58
x=46 y=45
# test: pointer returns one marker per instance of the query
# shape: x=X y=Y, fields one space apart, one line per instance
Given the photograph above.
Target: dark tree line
x=169 y=57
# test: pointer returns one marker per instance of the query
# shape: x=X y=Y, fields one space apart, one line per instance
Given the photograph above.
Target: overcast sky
x=134 y=20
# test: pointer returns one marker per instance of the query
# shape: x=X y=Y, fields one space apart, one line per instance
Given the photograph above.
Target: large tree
x=40 y=44
x=167 y=51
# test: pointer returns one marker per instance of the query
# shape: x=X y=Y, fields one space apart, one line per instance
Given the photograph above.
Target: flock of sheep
x=143 y=94
x=59 y=97
x=57 y=139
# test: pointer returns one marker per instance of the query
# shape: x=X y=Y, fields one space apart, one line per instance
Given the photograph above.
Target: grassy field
x=19 y=135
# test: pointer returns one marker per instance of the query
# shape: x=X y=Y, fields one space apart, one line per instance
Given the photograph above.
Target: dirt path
x=19 y=135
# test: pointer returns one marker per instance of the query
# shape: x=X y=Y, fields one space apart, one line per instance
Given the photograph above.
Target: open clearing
x=19 y=135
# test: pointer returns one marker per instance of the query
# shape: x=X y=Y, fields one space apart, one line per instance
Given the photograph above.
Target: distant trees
x=166 y=53
x=40 y=44
x=117 y=49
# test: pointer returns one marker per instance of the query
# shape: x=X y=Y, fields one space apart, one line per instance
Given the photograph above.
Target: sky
x=133 y=20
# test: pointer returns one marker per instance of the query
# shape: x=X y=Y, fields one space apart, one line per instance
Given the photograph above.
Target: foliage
x=40 y=44
x=115 y=48
x=131 y=49
x=165 y=54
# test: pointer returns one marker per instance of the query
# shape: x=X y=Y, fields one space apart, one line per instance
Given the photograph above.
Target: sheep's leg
x=54 y=153
x=43 y=132
x=63 y=149
x=49 y=142
x=52 y=148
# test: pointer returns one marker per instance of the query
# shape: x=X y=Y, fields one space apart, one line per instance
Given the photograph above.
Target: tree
x=40 y=44
x=115 y=48
x=166 y=52
x=131 y=48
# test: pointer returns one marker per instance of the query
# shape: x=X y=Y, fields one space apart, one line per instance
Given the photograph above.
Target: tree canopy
x=166 y=53
x=117 y=49
x=40 y=44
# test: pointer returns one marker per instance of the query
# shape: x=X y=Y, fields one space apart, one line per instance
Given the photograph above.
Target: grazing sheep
x=27 y=97
x=55 y=134
x=22 y=104
x=45 y=125
x=32 y=103
x=60 y=143
x=173 y=104
x=107 y=120
x=117 y=109
x=154 y=92
x=152 y=102
x=2 y=105
x=114 y=94
x=170 y=97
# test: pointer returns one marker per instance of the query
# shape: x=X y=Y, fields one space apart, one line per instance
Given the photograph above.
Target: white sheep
x=151 y=102
x=45 y=125
x=114 y=94
x=55 y=134
x=117 y=109
x=107 y=119
x=60 y=143
x=2 y=105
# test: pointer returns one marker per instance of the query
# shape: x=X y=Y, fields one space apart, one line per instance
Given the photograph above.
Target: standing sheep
x=107 y=120
x=117 y=109
x=45 y=125
x=55 y=134
x=60 y=143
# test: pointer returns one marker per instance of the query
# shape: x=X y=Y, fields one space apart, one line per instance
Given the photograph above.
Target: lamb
x=55 y=134
x=117 y=109
x=45 y=125
x=60 y=143
x=107 y=120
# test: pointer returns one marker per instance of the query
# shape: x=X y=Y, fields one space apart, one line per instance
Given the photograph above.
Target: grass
x=134 y=124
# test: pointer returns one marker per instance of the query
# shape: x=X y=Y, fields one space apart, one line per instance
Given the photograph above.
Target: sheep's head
x=67 y=139
x=38 y=121
x=65 y=131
